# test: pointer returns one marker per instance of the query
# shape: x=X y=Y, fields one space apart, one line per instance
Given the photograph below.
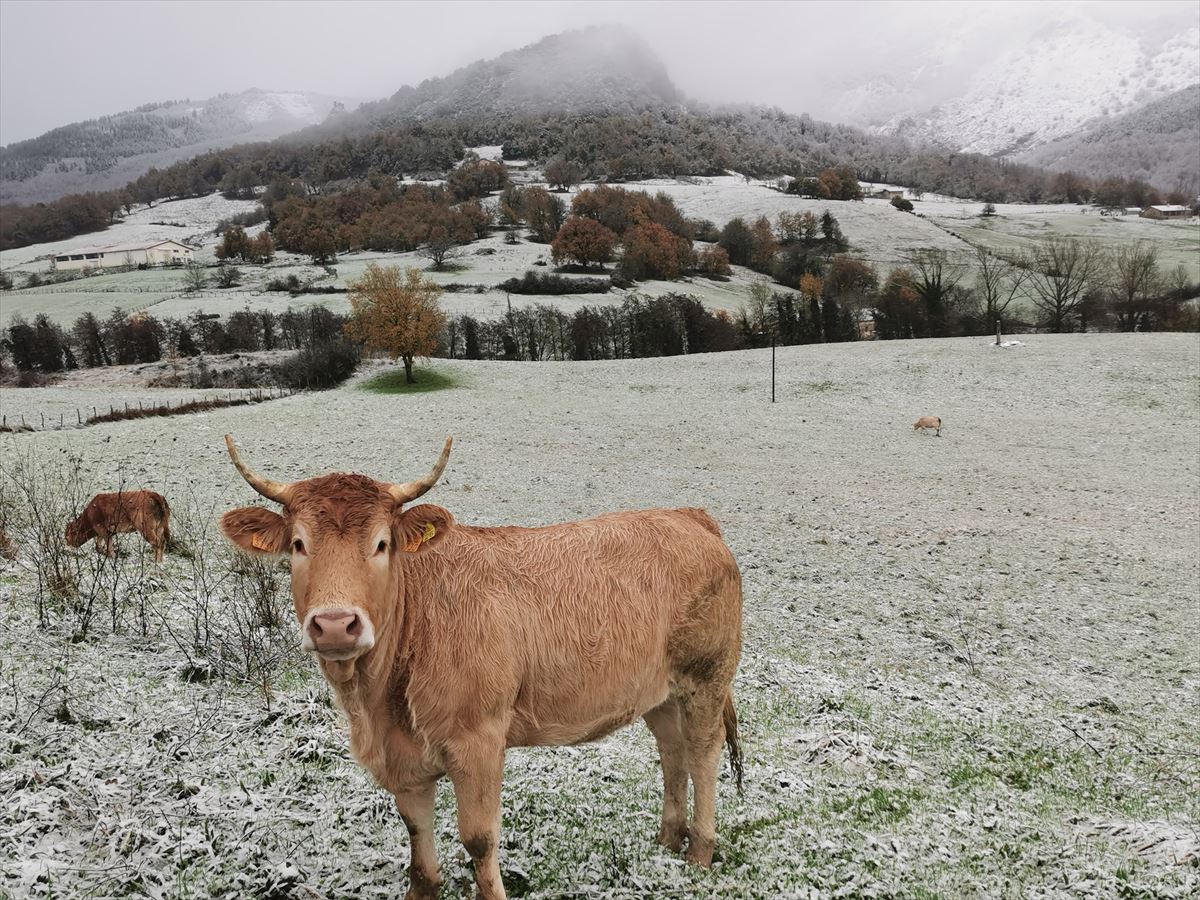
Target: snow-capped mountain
x=1002 y=100
x=105 y=153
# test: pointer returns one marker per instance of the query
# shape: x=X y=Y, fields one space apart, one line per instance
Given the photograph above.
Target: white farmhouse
x=152 y=253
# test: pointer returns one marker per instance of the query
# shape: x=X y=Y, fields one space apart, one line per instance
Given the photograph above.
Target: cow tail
x=731 y=741
x=164 y=517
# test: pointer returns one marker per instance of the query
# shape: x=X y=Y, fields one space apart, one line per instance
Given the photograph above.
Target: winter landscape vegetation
x=969 y=665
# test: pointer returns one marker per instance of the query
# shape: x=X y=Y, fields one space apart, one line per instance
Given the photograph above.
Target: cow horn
x=403 y=493
x=272 y=490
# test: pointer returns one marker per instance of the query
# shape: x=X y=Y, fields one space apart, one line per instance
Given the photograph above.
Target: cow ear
x=422 y=527
x=256 y=530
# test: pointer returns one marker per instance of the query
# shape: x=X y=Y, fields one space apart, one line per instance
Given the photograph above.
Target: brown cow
x=145 y=512
x=447 y=643
x=929 y=422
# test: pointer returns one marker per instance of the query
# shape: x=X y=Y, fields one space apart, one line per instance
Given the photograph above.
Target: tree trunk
x=408 y=367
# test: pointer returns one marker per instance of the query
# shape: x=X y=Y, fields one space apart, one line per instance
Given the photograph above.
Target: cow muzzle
x=338 y=634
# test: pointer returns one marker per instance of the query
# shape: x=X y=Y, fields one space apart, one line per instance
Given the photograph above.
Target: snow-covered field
x=970 y=665
x=877 y=232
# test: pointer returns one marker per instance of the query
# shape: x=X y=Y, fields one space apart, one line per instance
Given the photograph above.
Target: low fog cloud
x=66 y=61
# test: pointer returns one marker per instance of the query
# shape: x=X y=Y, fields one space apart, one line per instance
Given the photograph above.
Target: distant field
x=1017 y=227
x=877 y=233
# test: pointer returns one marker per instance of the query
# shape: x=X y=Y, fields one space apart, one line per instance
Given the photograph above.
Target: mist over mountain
x=108 y=152
x=603 y=69
x=1012 y=94
x=1070 y=77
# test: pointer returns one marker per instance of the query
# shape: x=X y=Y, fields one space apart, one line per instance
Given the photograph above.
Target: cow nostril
x=354 y=629
x=314 y=628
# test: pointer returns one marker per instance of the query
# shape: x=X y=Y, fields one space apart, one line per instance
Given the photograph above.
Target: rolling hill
x=108 y=152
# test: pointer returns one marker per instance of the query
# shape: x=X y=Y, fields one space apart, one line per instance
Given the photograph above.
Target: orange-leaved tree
x=583 y=240
x=396 y=313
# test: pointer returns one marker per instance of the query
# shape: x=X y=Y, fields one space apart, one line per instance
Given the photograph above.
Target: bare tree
x=997 y=282
x=562 y=174
x=936 y=281
x=1062 y=271
x=1134 y=283
x=440 y=247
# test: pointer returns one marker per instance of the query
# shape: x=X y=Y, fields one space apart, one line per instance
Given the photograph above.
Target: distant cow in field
x=933 y=422
x=447 y=643
x=145 y=512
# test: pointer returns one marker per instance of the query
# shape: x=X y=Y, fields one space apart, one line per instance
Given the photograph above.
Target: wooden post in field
x=43 y=421
x=78 y=416
x=997 y=332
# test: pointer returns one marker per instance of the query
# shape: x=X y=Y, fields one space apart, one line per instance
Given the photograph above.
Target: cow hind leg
x=666 y=724
x=416 y=809
x=704 y=733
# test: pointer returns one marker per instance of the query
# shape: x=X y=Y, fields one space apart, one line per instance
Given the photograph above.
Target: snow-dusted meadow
x=970 y=665
x=878 y=233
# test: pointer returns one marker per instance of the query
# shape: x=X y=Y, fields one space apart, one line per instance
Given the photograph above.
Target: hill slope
x=106 y=153
x=1157 y=143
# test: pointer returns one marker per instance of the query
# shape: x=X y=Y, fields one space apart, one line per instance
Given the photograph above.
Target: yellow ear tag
x=258 y=542
x=426 y=534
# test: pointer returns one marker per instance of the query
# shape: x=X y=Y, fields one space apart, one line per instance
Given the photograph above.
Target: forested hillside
x=1159 y=143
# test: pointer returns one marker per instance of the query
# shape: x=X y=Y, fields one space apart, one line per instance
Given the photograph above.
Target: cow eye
x=298 y=546
x=381 y=548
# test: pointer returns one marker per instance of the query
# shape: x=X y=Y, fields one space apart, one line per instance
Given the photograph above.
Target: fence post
x=60 y=420
x=78 y=416
x=43 y=421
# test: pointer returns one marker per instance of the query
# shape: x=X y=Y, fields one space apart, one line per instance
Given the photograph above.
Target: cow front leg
x=476 y=768
x=416 y=809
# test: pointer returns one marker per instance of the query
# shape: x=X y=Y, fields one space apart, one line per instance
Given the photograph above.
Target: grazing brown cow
x=447 y=643
x=145 y=512
x=929 y=422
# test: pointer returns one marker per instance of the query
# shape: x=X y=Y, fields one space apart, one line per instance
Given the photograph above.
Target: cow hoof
x=700 y=852
x=425 y=891
x=672 y=837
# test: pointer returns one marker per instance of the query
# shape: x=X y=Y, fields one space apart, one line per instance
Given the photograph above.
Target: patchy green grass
x=392 y=382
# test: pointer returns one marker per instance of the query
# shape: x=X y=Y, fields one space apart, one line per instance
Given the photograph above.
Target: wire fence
x=141 y=410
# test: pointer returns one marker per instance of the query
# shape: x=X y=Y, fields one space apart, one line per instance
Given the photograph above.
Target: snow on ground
x=969 y=668
x=877 y=233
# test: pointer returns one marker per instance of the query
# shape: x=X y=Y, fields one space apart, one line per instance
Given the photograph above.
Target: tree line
x=123 y=338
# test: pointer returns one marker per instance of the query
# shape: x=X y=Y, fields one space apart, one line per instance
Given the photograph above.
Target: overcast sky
x=62 y=61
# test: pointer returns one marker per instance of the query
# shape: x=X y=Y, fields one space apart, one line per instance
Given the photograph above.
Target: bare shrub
x=230 y=614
